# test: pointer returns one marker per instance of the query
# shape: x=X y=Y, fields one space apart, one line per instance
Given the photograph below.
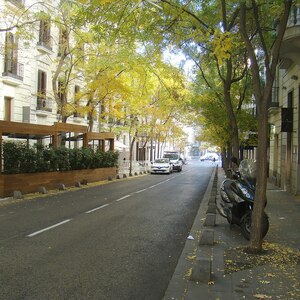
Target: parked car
x=209 y=156
x=161 y=165
x=175 y=159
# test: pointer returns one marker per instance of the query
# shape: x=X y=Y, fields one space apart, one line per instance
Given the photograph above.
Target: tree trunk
x=256 y=239
x=90 y=121
x=131 y=156
x=234 y=132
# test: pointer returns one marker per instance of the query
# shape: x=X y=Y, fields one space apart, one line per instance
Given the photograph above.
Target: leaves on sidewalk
x=277 y=265
x=236 y=259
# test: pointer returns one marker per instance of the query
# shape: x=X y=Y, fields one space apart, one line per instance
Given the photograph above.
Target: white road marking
x=94 y=209
x=152 y=186
x=122 y=198
x=104 y=205
x=48 y=228
x=140 y=191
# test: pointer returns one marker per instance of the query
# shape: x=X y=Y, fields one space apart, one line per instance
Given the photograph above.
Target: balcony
x=13 y=72
x=274 y=101
x=291 y=41
x=43 y=107
x=45 y=47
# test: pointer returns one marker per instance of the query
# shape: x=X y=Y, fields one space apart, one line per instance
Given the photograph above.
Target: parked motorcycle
x=237 y=198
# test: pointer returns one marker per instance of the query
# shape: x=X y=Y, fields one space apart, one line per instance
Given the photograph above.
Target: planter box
x=30 y=182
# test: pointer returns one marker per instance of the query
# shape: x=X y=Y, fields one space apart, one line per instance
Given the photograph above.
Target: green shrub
x=87 y=157
x=21 y=158
x=75 y=157
x=97 y=159
x=61 y=156
x=11 y=157
x=110 y=159
x=42 y=162
x=28 y=160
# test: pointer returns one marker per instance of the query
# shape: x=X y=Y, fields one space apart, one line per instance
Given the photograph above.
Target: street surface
x=117 y=241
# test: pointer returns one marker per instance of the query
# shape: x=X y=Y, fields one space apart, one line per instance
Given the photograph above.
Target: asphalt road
x=116 y=241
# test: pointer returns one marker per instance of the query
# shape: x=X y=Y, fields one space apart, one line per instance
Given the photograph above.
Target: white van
x=175 y=159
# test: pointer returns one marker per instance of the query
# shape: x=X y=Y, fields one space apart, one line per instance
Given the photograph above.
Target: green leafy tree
x=262 y=39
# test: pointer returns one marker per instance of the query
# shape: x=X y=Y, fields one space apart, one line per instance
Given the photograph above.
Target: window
x=287 y=114
x=80 y=52
x=76 y=92
x=44 y=34
x=41 y=90
x=7 y=108
x=63 y=40
x=11 y=65
x=62 y=91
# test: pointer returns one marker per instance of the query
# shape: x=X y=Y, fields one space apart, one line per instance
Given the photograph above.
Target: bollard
x=77 y=184
x=17 y=195
x=61 y=187
x=201 y=271
x=210 y=220
x=211 y=208
x=212 y=199
x=42 y=190
x=207 y=237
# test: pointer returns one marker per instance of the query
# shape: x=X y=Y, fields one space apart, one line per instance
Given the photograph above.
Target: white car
x=209 y=156
x=162 y=166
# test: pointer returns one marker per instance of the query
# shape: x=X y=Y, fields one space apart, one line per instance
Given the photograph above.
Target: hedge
x=18 y=157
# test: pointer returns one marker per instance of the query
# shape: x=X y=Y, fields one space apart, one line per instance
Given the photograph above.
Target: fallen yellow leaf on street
x=192 y=257
x=262 y=296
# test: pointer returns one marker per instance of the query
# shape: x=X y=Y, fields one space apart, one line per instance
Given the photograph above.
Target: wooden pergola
x=55 y=132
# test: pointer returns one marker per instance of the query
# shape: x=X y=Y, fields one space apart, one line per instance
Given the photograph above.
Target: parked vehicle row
x=166 y=165
x=209 y=156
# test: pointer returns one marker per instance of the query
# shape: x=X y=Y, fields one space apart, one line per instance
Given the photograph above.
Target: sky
x=178 y=59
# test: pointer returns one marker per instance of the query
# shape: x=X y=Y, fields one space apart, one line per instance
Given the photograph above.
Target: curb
x=195 y=263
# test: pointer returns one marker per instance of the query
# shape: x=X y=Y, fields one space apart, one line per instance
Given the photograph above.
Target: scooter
x=237 y=198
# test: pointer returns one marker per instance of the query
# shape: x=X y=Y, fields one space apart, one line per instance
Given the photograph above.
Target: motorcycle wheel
x=246 y=225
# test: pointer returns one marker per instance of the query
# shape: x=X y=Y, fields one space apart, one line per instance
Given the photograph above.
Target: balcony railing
x=43 y=104
x=45 y=46
x=13 y=69
x=294 y=18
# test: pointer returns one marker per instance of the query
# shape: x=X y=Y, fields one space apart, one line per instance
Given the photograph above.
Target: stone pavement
x=222 y=270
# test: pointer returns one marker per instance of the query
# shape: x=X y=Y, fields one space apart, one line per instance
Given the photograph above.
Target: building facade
x=29 y=58
x=284 y=111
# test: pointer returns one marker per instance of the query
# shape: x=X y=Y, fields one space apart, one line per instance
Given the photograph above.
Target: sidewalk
x=275 y=274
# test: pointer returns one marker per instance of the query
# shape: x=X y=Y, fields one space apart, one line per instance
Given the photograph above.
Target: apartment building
x=27 y=65
x=284 y=111
x=30 y=52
